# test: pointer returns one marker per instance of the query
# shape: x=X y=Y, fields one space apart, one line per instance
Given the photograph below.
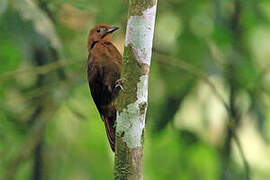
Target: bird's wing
x=113 y=69
x=99 y=91
x=103 y=71
x=114 y=51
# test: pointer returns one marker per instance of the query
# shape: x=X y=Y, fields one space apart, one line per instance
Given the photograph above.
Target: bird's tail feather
x=110 y=131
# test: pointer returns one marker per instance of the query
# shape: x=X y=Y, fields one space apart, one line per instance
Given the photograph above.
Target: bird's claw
x=118 y=84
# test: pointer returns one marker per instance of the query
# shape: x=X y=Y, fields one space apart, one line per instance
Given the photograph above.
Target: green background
x=208 y=112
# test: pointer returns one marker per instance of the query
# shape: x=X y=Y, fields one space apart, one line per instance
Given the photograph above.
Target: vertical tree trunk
x=132 y=101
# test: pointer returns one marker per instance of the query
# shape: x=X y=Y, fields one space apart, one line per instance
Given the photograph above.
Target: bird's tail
x=110 y=131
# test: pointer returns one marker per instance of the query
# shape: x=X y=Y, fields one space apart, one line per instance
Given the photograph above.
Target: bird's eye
x=98 y=30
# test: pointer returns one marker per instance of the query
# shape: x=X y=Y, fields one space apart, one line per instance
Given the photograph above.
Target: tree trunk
x=132 y=101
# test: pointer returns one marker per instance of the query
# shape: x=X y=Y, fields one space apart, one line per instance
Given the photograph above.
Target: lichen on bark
x=139 y=28
x=130 y=122
x=132 y=100
x=132 y=105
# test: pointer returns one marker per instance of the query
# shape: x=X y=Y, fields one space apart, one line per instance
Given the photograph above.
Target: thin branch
x=193 y=71
x=157 y=57
x=245 y=162
x=37 y=70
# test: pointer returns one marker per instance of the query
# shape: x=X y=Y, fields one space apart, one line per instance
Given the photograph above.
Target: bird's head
x=100 y=32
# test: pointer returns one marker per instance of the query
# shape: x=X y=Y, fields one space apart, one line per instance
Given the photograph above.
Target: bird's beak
x=112 y=29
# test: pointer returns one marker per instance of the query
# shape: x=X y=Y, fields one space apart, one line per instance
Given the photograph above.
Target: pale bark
x=132 y=101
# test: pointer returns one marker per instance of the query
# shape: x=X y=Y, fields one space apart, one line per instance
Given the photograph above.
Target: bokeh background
x=208 y=115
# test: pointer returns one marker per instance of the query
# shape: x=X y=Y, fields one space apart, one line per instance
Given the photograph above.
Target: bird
x=104 y=69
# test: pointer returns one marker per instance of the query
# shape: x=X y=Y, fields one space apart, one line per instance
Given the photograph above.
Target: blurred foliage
x=208 y=114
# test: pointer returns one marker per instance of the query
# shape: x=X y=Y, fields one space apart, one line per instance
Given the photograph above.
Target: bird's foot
x=119 y=83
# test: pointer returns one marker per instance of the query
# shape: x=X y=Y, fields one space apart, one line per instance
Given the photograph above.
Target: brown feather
x=110 y=132
x=104 y=68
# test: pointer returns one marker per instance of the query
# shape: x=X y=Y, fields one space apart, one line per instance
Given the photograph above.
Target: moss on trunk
x=132 y=101
x=138 y=6
x=130 y=77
